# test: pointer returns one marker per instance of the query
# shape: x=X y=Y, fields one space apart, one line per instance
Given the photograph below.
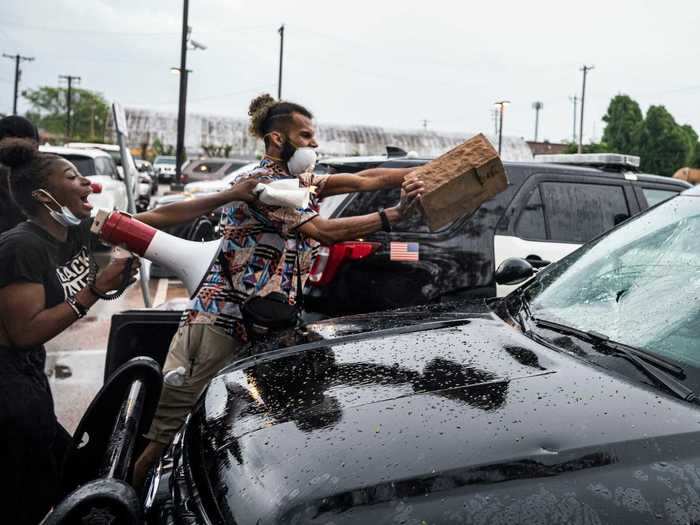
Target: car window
x=103 y=166
x=531 y=223
x=207 y=167
x=577 y=212
x=655 y=196
x=365 y=203
x=84 y=165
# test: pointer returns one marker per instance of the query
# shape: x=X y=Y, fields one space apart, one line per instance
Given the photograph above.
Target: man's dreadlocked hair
x=268 y=114
x=29 y=170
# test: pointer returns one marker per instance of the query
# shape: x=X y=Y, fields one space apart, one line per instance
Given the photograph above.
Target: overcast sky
x=388 y=63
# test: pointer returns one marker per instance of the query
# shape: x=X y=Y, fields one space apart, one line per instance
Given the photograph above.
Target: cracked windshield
x=619 y=285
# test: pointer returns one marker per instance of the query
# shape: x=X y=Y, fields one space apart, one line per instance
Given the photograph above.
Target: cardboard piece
x=460 y=181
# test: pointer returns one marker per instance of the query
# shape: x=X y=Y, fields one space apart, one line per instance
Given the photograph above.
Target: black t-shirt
x=28 y=253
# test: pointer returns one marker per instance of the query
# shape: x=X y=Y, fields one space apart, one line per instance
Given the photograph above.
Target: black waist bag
x=273 y=311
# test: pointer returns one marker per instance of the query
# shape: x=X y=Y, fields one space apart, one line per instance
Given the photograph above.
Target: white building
x=145 y=126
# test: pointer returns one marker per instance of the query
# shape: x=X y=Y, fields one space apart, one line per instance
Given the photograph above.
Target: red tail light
x=331 y=258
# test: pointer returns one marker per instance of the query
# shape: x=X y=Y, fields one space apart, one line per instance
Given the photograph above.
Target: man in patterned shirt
x=264 y=247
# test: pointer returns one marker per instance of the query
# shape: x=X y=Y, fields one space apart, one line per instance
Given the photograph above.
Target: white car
x=164 y=166
x=143 y=180
x=214 y=186
x=99 y=167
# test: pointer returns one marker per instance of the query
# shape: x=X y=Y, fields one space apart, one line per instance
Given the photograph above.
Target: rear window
x=84 y=165
x=655 y=196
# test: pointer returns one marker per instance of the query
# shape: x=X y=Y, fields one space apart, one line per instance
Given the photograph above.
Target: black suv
x=571 y=400
x=548 y=210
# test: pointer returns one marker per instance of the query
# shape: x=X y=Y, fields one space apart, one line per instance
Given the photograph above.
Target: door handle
x=536 y=261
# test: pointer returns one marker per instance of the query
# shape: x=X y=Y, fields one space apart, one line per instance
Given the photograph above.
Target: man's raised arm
x=365 y=180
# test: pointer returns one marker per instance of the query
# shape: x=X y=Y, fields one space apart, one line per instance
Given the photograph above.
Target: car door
x=553 y=216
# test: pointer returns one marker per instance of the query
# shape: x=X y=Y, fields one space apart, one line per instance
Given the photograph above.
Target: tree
x=596 y=147
x=663 y=144
x=692 y=137
x=89 y=111
x=624 y=120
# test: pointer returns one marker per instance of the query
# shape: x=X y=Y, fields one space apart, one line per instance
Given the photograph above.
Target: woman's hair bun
x=258 y=110
x=15 y=152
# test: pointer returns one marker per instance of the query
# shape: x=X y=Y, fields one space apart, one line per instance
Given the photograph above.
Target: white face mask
x=64 y=217
x=303 y=161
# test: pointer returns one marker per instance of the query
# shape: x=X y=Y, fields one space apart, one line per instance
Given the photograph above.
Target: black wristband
x=79 y=309
x=386 y=225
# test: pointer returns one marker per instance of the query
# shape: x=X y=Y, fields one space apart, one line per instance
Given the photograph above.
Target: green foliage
x=163 y=149
x=624 y=121
x=599 y=147
x=663 y=144
x=692 y=137
x=89 y=112
x=213 y=150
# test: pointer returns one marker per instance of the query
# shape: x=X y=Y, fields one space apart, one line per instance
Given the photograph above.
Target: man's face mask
x=299 y=159
x=64 y=217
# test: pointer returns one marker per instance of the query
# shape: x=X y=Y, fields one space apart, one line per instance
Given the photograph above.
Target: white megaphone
x=188 y=259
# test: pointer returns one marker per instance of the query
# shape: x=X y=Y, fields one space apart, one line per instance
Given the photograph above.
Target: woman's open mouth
x=86 y=204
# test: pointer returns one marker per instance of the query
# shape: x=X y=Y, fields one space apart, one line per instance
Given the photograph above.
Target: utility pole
x=180 y=145
x=585 y=70
x=279 y=77
x=537 y=106
x=574 y=100
x=69 y=100
x=425 y=124
x=18 y=73
x=501 y=105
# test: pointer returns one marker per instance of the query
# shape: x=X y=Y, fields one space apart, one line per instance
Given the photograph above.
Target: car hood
x=380 y=408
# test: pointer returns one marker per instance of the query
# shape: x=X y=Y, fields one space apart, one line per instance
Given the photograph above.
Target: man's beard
x=287 y=151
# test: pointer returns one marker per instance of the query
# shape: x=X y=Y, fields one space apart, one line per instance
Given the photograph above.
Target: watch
x=386 y=225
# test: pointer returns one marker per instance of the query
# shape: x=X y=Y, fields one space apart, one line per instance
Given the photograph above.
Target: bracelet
x=386 y=225
x=78 y=308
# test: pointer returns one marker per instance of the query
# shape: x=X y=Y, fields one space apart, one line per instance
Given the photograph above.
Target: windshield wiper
x=653 y=366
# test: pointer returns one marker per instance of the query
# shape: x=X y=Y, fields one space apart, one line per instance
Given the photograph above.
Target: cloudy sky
x=383 y=62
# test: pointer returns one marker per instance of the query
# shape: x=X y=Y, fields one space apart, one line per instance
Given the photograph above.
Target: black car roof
x=358 y=163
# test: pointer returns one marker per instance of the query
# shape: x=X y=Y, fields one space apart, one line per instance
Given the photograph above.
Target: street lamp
x=501 y=104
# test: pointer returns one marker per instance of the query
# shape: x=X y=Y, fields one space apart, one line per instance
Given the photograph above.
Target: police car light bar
x=602 y=160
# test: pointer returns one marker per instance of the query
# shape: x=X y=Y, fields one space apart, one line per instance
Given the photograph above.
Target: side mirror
x=514 y=271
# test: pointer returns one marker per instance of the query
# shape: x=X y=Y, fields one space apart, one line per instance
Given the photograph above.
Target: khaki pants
x=203 y=350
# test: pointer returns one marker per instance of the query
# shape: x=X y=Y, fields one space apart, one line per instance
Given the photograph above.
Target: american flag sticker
x=403 y=251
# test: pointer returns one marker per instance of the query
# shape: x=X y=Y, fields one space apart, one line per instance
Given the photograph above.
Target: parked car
x=571 y=400
x=164 y=166
x=143 y=181
x=99 y=167
x=210 y=169
x=146 y=168
x=549 y=209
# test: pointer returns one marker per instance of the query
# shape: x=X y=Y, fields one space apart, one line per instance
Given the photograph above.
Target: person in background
x=267 y=253
x=20 y=127
x=45 y=286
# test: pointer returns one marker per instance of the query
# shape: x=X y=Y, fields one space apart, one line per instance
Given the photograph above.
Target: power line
x=18 y=73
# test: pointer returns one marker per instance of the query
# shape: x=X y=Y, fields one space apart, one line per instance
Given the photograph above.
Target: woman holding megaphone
x=45 y=286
